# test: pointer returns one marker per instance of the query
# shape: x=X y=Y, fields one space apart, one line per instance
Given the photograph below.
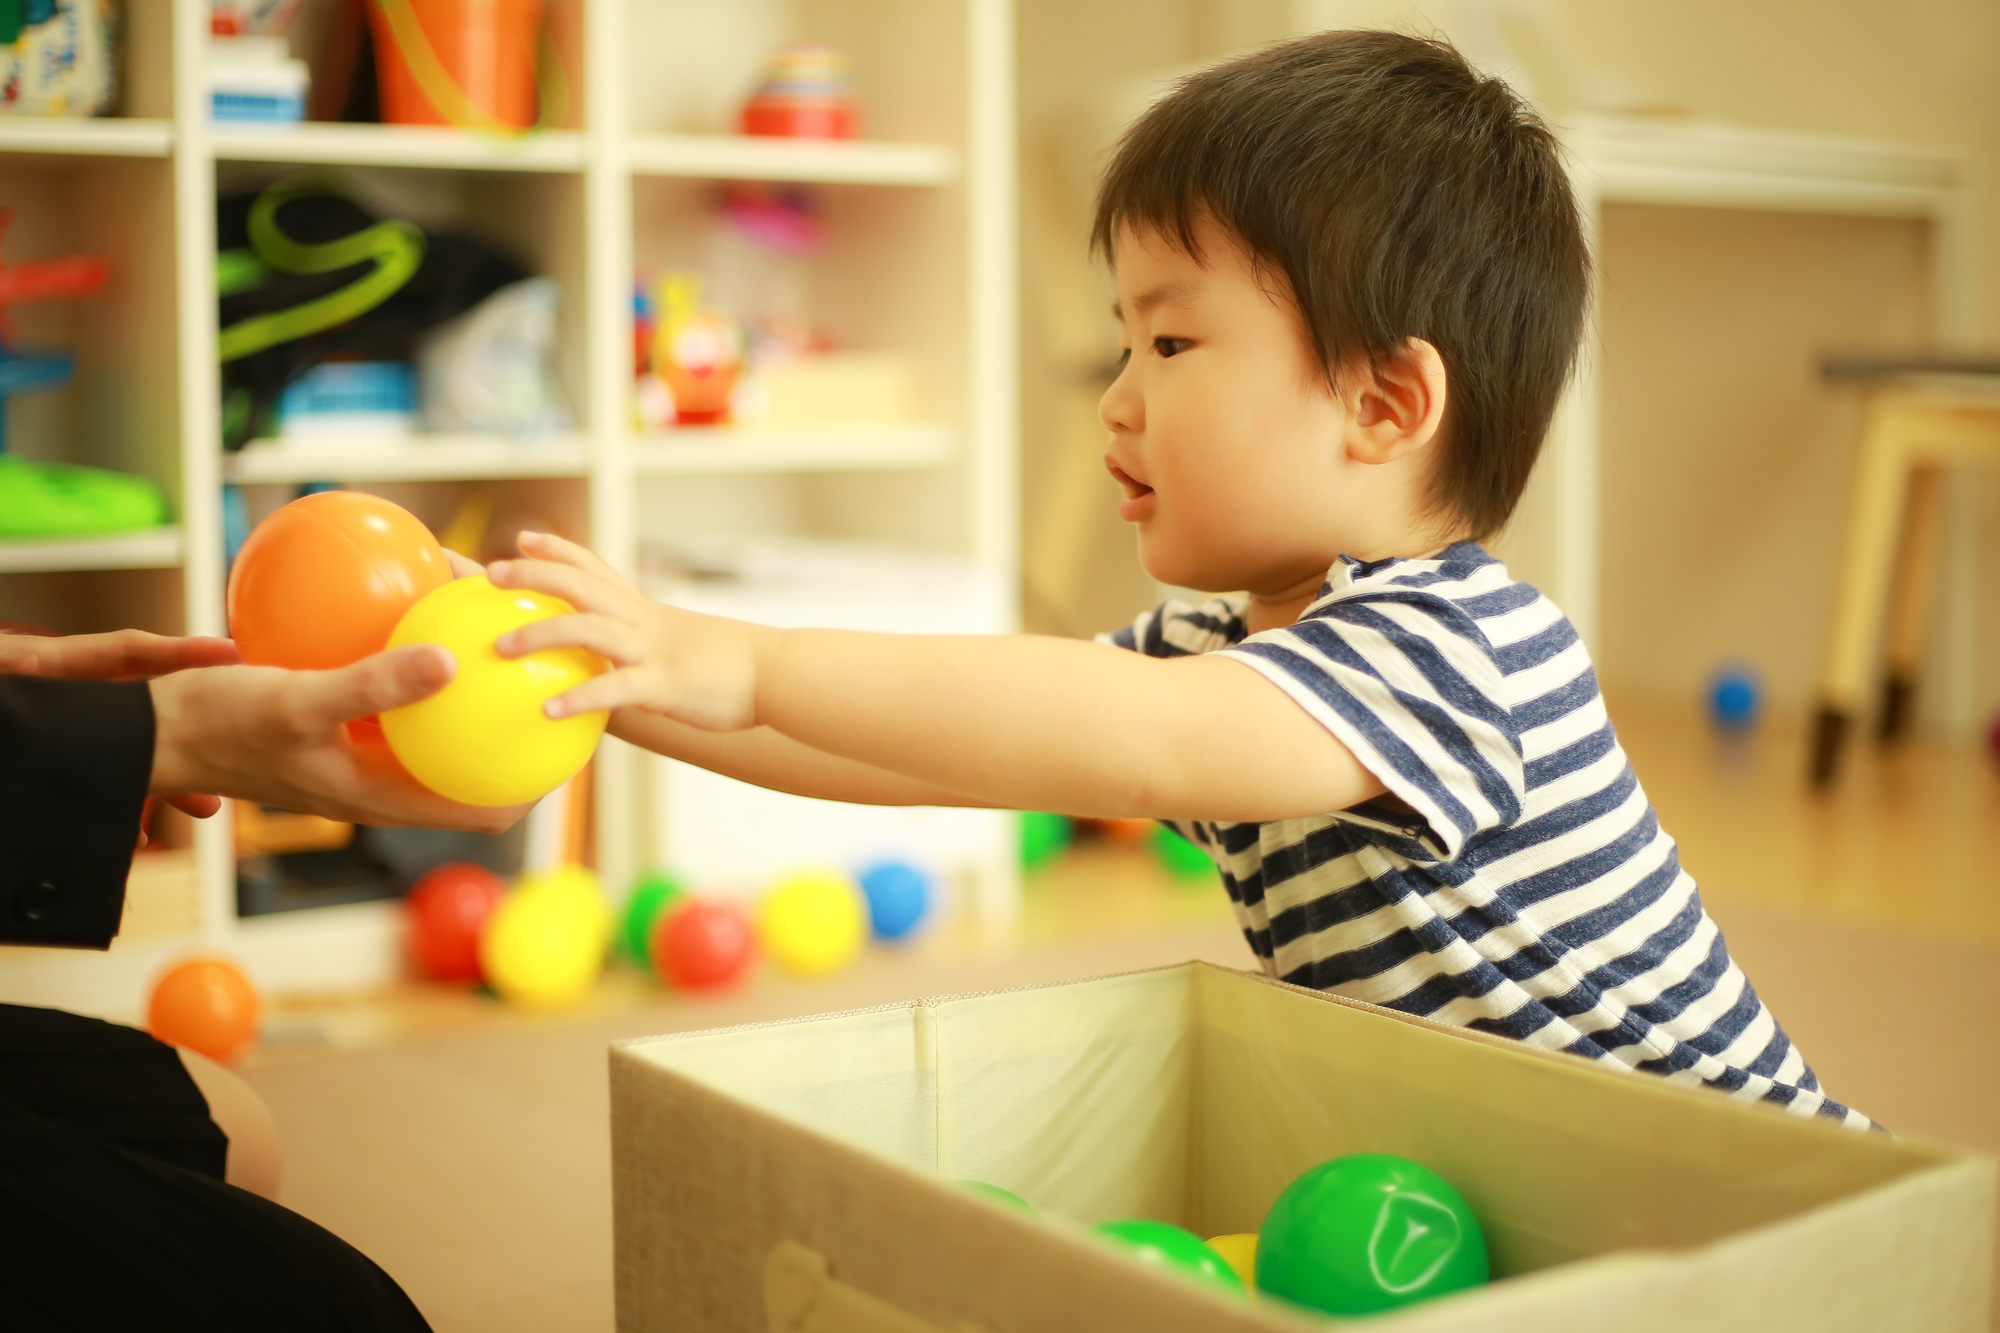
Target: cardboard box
x=795 y=1176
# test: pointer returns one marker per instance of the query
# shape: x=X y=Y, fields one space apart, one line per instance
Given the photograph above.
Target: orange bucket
x=469 y=63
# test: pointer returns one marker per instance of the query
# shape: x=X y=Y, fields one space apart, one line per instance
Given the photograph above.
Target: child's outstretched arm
x=1015 y=721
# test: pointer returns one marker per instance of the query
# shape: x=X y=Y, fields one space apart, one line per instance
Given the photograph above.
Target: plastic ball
x=206 y=1005
x=482 y=739
x=1006 y=1198
x=544 y=946
x=701 y=943
x=813 y=922
x=1164 y=1245
x=1126 y=830
x=1239 y=1251
x=1735 y=698
x=1369 y=1232
x=898 y=896
x=1182 y=859
x=1043 y=837
x=323 y=581
x=447 y=909
x=650 y=896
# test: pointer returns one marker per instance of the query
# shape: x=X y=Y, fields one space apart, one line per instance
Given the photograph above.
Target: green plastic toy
x=59 y=500
x=1164 y=1245
x=1043 y=837
x=1004 y=1197
x=1369 y=1232
x=650 y=897
x=1182 y=858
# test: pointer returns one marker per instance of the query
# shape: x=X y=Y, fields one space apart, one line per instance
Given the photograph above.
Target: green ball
x=1043 y=836
x=1182 y=858
x=650 y=897
x=1369 y=1232
x=1164 y=1245
x=1006 y=1198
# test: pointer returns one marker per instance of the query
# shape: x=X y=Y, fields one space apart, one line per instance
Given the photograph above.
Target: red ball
x=448 y=909
x=701 y=943
x=206 y=1005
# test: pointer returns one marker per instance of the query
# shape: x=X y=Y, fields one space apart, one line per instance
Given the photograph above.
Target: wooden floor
x=465 y=1146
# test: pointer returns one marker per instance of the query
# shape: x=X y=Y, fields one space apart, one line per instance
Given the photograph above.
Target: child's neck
x=1280 y=607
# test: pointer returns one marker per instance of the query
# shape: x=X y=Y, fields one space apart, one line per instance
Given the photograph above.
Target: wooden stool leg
x=1879 y=484
x=1910 y=601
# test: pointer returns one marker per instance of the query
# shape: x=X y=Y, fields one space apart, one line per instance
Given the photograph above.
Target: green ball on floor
x=1043 y=837
x=1164 y=1245
x=650 y=897
x=1182 y=858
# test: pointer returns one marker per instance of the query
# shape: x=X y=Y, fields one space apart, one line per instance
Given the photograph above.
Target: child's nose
x=1121 y=409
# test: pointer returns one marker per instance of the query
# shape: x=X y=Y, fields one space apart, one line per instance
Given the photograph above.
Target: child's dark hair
x=1403 y=195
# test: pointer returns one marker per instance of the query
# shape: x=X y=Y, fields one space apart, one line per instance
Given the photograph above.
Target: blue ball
x=1734 y=698
x=899 y=895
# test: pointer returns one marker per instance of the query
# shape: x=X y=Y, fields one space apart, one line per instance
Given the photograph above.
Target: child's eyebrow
x=1152 y=296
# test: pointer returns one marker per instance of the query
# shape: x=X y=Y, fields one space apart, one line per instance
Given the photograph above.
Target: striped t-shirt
x=1515 y=880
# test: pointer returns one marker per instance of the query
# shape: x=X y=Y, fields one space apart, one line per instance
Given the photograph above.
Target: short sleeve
x=1407 y=682
x=1182 y=629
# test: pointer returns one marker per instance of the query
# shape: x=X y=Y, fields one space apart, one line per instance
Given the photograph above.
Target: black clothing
x=75 y=759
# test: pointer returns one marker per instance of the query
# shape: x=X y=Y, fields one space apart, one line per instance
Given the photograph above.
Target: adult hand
x=279 y=737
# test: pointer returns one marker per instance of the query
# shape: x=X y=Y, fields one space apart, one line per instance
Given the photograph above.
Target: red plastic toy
x=702 y=943
x=447 y=910
x=322 y=581
x=206 y=1005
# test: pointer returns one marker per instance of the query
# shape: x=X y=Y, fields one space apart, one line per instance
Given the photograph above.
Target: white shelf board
x=107 y=137
x=820 y=161
x=150 y=548
x=404 y=458
x=400 y=146
x=725 y=449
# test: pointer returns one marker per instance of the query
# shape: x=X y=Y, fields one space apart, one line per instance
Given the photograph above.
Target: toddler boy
x=1351 y=283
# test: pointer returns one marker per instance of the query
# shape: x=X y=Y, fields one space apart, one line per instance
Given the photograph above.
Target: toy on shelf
x=252 y=78
x=469 y=63
x=1166 y=1246
x=650 y=897
x=1043 y=837
x=544 y=947
x=697 y=354
x=701 y=944
x=448 y=909
x=344 y=399
x=813 y=922
x=1369 y=1232
x=1735 y=699
x=899 y=897
x=206 y=1005
x=58 y=57
x=492 y=369
x=807 y=93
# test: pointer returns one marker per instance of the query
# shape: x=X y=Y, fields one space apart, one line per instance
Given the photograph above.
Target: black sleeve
x=75 y=758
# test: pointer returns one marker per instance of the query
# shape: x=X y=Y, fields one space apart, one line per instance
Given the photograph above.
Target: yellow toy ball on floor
x=813 y=922
x=482 y=739
x=1239 y=1251
x=544 y=945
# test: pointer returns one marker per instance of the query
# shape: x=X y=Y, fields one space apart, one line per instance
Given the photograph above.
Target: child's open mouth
x=1138 y=500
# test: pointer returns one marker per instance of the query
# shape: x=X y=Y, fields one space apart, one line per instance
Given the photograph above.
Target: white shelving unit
x=921 y=262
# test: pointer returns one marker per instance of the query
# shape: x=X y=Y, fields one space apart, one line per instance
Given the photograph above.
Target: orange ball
x=322 y=581
x=206 y=1005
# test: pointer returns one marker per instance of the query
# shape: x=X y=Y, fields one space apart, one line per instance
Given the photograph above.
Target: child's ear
x=1395 y=409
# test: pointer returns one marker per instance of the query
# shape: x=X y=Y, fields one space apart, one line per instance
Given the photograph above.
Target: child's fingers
x=463 y=567
x=613 y=689
x=586 y=592
x=548 y=546
x=608 y=637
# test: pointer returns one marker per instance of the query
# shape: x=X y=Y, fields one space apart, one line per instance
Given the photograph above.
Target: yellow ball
x=813 y=922
x=482 y=739
x=544 y=946
x=1239 y=1251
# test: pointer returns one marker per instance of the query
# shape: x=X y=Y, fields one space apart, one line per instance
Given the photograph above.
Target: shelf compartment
x=53 y=136
x=734 y=449
x=150 y=548
x=405 y=458
x=401 y=146
x=816 y=161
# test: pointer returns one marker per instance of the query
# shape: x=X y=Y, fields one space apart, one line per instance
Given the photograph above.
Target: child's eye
x=1124 y=360
x=1170 y=346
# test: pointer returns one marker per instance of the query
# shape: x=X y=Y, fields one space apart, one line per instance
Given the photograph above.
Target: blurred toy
x=1735 y=699
x=1368 y=1232
x=483 y=738
x=251 y=18
x=701 y=943
x=1004 y=1197
x=206 y=1005
x=253 y=80
x=349 y=398
x=1164 y=1245
x=1043 y=837
x=650 y=896
x=807 y=93
x=813 y=922
x=492 y=369
x=1126 y=830
x=697 y=351
x=448 y=910
x=1182 y=858
x=1239 y=1251
x=323 y=581
x=545 y=945
x=469 y=63
x=898 y=896
x=58 y=57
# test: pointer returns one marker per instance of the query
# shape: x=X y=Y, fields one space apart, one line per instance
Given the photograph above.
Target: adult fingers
x=200 y=806
x=607 y=636
x=325 y=699
x=126 y=652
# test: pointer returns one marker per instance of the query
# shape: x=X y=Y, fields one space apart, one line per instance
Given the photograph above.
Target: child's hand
x=701 y=670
